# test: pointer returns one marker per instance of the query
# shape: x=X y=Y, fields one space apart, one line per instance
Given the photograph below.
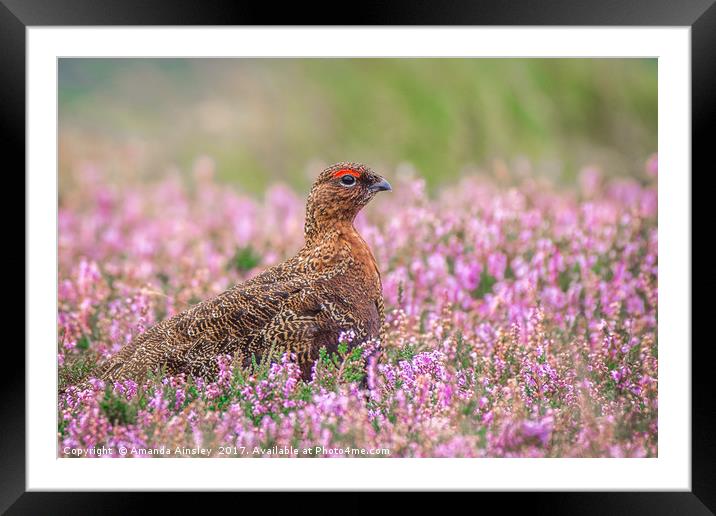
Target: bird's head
x=339 y=193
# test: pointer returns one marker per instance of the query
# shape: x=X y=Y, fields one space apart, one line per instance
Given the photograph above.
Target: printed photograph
x=346 y=258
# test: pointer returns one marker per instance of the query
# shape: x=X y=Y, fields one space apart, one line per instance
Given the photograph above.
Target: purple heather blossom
x=520 y=320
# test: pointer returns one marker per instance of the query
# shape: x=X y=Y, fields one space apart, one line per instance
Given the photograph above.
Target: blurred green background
x=263 y=120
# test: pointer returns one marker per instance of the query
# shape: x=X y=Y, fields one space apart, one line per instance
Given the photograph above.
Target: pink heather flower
x=589 y=181
x=130 y=388
x=96 y=383
x=541 y=429
x=213 y=390
x=496 y=265
x=369 y=348
x=463 y=370
x=225 y=369
x=180 y=397
x=346 y=336
x=468 y=273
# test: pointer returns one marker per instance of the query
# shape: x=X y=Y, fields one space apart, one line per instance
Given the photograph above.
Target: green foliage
x=77 y=367
x=258 y=368
x=343 y=366
x=407 y=352
x=487 y=281
x=84 y=343
x=567 y=276
x=117 y=409
x=603 y=268
x=244 y=259
x=439 y=114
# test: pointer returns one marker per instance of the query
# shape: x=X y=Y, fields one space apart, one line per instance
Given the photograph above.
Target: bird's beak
x=381 y=186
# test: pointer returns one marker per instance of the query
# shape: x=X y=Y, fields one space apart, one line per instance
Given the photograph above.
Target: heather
x=522 y=318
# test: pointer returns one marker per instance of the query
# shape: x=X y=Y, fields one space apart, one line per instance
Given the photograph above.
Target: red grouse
x=301 y=305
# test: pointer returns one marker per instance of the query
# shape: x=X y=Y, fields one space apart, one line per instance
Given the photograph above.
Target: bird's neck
x=338 y=241
x=321 y=232
x=322 y=224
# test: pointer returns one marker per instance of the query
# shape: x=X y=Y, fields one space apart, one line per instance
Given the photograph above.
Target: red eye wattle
x=346 y=171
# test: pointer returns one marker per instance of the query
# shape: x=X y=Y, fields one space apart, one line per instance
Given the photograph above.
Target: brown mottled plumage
x=331 y=285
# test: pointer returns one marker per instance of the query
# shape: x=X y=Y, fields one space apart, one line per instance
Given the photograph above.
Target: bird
x=331 y=286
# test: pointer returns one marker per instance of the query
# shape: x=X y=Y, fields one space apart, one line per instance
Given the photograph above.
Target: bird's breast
x=363 y=259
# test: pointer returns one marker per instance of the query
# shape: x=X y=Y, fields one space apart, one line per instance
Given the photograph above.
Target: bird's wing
x=310 y=319
x=190 y=340
x=246 y=318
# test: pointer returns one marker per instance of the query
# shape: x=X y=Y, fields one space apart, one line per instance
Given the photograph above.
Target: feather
x=332 y=285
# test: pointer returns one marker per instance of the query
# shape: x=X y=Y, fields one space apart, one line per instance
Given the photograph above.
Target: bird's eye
x=348 y=180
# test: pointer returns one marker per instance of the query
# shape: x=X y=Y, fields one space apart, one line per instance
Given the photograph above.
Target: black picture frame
x=17 y=15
